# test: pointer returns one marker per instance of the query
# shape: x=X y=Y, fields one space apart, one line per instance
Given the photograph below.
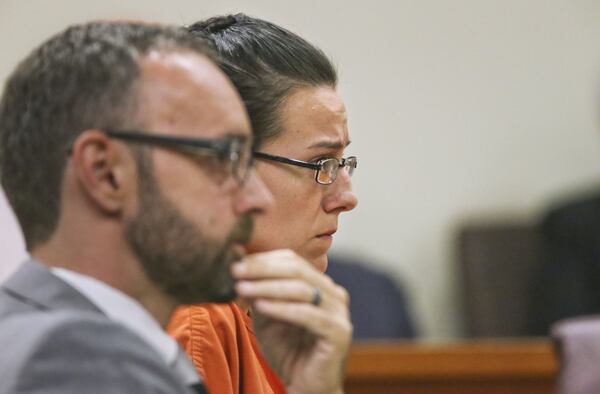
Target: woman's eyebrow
x=329 y=144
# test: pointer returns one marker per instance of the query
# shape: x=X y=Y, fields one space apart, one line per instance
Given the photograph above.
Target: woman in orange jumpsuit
x=301 y=134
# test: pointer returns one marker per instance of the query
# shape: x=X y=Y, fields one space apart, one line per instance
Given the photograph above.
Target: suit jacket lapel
x=36 y=285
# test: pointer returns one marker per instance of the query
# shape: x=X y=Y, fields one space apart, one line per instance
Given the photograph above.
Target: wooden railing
x=482 y=367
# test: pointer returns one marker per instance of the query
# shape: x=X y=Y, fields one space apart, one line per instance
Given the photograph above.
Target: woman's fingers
x=275 y=264
x=283 y=275
x=319 y=321
x=294 y=290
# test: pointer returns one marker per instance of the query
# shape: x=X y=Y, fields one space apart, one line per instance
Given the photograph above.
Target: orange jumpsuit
x=219 y=340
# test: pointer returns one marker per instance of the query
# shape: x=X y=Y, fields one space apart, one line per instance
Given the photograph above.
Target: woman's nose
x=341 y=197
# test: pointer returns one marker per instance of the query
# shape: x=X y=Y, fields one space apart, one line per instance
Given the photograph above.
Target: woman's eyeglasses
x=326 y=168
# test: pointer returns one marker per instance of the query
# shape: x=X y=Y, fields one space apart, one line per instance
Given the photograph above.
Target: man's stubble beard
x=178 y=256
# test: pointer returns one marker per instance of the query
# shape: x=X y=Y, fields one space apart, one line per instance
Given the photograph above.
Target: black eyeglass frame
x=318 y=166
x=229 y=148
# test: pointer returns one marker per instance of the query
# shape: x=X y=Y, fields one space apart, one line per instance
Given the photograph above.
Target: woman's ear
x=100 y=167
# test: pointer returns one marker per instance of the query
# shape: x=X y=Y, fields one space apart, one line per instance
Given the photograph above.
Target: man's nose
x=254 y=196
x=340 y=198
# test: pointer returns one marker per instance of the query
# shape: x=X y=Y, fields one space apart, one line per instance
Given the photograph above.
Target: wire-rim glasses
x=326 y=168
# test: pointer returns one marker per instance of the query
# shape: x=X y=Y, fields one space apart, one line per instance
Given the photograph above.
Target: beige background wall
x=458 y=109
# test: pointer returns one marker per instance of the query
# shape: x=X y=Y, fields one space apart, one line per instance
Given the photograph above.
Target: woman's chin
x=320 y=263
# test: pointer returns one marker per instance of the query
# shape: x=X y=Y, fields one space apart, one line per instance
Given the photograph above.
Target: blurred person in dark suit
x=568 y=283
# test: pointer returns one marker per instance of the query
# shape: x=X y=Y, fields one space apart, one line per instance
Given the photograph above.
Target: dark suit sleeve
x=562 y=288
x=567 y=284
x=92 y=355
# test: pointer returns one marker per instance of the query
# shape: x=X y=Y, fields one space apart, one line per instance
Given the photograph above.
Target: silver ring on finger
x=316 y=297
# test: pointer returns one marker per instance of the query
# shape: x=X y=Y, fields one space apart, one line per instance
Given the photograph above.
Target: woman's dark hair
x=266 y=64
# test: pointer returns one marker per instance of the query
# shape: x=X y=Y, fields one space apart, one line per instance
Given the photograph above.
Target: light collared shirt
x=126 y=311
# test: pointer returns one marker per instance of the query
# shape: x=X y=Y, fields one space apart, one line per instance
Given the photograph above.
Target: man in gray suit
x=126 y=156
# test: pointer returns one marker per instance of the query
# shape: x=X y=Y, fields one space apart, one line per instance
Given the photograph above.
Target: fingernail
x=243 y=287
x=262 y=305
x=239 y=269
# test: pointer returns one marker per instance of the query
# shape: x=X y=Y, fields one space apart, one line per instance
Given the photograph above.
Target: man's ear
x=101 y=168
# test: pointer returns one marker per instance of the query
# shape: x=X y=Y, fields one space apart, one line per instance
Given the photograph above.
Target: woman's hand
x=301 y=319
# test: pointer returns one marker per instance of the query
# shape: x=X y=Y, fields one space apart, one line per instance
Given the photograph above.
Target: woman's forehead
x=315 y=118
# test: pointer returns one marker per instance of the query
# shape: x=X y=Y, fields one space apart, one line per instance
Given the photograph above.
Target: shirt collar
x=125 y=310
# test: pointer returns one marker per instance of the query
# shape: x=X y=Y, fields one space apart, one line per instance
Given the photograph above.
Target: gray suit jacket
x=54 y=340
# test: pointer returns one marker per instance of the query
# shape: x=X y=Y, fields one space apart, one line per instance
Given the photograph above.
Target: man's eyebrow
x=329 y=144
x=238 y=135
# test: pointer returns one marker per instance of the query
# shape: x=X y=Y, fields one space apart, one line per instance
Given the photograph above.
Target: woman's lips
x=326 y=236
x=322 y=243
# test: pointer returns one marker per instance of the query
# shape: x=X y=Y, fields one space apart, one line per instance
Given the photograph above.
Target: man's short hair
x=82 y=78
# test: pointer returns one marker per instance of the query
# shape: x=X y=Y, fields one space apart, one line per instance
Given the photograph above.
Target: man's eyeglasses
x=235 y=149
x=326 y=168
